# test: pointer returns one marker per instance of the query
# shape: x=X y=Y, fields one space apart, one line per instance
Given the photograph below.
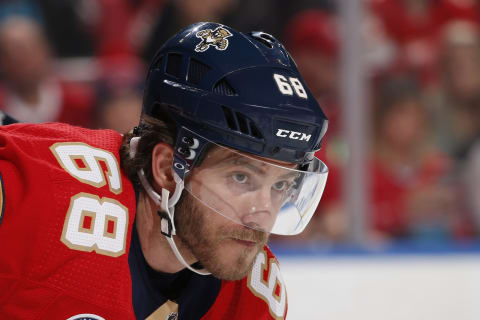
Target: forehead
x=217 y=155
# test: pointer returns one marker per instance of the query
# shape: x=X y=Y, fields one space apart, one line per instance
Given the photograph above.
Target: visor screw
x=275 y=150
x=188 y=141
x=185 y=152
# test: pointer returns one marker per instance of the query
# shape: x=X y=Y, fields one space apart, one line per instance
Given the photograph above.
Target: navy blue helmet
x=239 y=90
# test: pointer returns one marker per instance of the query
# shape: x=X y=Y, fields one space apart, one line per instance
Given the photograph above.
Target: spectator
x=120 y=93
x=31 y=92
x=455 y=102
x=411 y=193
x=413 y=26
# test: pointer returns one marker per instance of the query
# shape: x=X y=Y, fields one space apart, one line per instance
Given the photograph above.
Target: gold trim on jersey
x=86 y=167
x=167 y=311
x=112 y=234
x=87 y=214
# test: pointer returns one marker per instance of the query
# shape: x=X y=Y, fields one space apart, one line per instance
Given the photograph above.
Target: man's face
x=237 y=194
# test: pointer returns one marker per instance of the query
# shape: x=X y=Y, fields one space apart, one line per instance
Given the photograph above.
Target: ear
x=162 y=160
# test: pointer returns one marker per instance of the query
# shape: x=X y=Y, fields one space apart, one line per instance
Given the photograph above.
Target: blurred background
x=396 y=234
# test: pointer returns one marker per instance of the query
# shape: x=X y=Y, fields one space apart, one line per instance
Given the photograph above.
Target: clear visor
x=265 y=195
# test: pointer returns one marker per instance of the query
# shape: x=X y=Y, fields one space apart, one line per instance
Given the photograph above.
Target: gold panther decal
x=216 y=38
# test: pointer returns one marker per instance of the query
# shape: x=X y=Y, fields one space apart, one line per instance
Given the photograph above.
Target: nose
x=257 y=209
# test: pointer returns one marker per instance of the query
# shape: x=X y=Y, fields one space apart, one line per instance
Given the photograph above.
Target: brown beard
x=191 y=221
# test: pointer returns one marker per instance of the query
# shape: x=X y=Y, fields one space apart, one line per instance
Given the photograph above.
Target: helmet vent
x=224 y=88
x=232 y=124
x=264 y=38
x=241 y=123
x=255 y=132
x=174 y=65
x=196 y=71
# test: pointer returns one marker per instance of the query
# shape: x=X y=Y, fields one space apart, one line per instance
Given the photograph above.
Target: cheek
x=217 y=196
x=208 y=224
x=207 y=186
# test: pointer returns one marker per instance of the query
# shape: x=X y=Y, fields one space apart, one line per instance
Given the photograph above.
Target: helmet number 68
x=285 y=86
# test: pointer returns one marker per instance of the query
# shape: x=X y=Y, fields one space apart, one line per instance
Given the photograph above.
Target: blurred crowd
x=423 y=63
x=84 y=61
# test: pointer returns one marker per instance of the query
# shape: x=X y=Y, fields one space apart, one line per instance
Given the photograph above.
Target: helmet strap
x=167 y=208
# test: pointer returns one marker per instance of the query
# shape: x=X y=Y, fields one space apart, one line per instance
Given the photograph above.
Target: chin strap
x=167 y=207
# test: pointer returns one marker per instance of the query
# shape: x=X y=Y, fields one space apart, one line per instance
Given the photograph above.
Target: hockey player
x=169 y=221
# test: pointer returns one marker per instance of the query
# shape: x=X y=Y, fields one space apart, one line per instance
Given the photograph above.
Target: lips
x=246 y=236
x=247 y=243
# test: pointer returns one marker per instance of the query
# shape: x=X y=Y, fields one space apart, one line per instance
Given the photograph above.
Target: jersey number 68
x=93 y=223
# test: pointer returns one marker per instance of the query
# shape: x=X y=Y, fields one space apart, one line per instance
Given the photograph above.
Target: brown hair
x=151 y=130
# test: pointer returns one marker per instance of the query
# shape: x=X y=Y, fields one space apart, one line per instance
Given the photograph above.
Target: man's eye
x=280 y=186
x=240 y=177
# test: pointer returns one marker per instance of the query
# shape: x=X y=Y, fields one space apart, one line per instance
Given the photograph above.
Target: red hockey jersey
x=66 y=216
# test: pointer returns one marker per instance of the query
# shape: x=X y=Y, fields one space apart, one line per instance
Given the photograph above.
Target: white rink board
x=383 y=287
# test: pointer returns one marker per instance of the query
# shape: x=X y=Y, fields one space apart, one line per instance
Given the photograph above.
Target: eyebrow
x=256 y=169
x=291 y=174
x=239 y=161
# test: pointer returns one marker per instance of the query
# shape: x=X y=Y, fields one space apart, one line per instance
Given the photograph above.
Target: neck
x=155 y=248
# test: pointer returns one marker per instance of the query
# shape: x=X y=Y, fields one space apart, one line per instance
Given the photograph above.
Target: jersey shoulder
x=67 y=217
x=260 y=295
x=57 y=131
x=29 y=160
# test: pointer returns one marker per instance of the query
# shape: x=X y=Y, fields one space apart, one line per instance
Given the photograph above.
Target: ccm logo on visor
x=293 y=135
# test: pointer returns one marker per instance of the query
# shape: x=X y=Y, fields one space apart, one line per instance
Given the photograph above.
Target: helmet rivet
x=185 y=152
x=188 y=141
x=179 y=166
